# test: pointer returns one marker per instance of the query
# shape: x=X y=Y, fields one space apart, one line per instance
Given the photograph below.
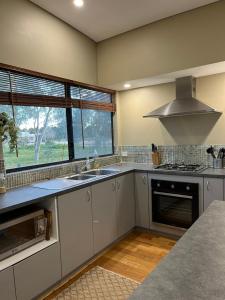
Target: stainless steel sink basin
x=81 y=177
x=101 y=172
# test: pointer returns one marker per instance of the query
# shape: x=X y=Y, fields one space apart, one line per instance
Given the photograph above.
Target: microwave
x=22 y=229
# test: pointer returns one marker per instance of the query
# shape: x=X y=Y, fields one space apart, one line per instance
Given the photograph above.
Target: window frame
x=68 y=104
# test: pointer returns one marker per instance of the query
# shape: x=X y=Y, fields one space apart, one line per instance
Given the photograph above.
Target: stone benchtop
x=25 y=195
x=195 y=268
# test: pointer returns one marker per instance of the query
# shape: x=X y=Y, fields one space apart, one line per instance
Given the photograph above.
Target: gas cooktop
x=181 y=167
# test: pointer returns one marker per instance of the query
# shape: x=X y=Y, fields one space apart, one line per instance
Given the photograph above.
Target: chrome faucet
x=87 y=165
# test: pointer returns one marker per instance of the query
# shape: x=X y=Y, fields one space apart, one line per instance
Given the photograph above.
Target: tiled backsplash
x=27 y=177
x=195 y=154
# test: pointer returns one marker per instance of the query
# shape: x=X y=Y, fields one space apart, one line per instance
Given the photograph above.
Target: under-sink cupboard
x=92 y=218
x=104 y=205
x=113 y=210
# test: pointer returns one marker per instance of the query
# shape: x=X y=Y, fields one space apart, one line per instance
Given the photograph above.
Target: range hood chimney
x=185 y=102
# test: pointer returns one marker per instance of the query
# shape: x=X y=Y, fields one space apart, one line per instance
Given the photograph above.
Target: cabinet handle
x=96 y=222
x=144 y=178
x=207 y=185
x=114 y=186
x=88 y=196
x=118 y=186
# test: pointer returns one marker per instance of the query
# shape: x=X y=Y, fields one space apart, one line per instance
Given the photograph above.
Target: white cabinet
x=125 y=203
x=104 y=214
x=75 y=228
x=141 y=200
x=37 y=273
x=7 y=287
x=213 y=190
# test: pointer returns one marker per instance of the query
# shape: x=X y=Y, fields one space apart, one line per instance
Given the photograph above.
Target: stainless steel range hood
x=185 y=102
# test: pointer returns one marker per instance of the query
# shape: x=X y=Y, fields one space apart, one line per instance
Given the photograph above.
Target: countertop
x=210 y=172
x=207 y=172
x=26 y=195
x=195 y=267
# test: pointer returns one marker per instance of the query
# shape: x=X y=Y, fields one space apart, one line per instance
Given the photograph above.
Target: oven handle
x=173 y=195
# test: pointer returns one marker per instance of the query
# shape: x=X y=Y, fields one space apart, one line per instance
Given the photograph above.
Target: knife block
x=156 y=160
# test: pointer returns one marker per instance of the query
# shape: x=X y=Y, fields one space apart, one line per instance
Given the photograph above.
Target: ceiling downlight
x=78 y=3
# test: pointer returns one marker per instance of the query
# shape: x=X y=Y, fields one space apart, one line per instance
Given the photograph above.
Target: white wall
x=180 y=42
x=32 y=38
x=133 y=129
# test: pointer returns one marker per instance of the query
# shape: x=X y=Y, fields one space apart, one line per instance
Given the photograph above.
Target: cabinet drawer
x=37 y=273
x=7 y=288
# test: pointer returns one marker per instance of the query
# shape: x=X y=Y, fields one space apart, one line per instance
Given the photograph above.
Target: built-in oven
x=175 y=203
x=21 y=229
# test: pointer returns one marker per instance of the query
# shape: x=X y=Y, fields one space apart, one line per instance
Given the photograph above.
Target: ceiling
x=102 y=19
x=206 y=70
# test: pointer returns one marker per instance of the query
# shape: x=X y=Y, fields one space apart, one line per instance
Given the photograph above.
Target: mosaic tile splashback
x=189 y=154
x=27 y=177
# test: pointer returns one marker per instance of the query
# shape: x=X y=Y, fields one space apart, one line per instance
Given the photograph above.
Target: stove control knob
x=158 y=184
x=172 y=186
x=188 y=188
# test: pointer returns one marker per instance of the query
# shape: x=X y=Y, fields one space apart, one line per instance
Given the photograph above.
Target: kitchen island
x=195 y=267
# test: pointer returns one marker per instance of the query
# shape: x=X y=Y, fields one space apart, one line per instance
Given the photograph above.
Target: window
x=89 y=95
x=95 y=138
x=57 y=119
x=92 y=128
x=42 y=137
x=36 y=86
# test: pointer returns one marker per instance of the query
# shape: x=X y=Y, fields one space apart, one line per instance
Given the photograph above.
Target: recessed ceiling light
x=78 y=3
x=127 y=85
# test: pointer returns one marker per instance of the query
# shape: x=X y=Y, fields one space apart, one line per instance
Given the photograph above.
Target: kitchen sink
x=81 y=177
x=101 y=172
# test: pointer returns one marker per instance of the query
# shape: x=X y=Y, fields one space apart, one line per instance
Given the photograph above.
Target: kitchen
x=103 y=174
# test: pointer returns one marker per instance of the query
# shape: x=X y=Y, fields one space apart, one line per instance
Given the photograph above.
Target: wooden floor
x=134 y=257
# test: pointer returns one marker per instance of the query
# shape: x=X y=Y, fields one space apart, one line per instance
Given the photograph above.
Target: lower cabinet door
x=7 y=287
x=213 y=190
x=125 y=203
x=141 y=200
x=104 y=214
x=75 y=228
x=37 y=273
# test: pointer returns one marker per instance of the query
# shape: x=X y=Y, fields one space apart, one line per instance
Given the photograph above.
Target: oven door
x=174 y=209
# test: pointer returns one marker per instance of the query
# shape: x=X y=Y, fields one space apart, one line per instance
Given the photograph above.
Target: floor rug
x=99 y=283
